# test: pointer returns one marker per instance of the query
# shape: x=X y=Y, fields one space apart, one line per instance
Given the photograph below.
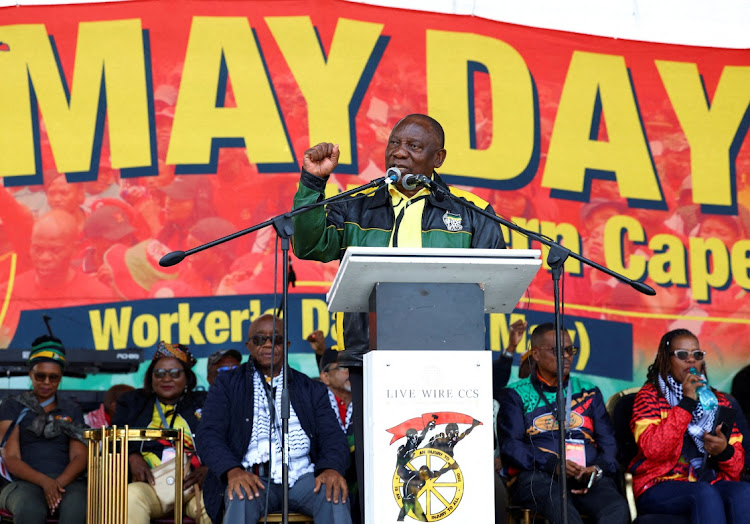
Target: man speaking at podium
x=390 y=216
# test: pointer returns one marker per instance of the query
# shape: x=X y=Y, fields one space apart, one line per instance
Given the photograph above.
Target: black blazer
x=136 y=409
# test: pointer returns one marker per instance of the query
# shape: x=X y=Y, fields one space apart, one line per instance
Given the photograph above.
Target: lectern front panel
x=427 y=316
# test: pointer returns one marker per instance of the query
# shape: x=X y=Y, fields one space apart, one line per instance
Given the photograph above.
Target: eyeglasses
x=259 y=340
x=161 y=373
x=54 y=378
x=683 y=354
x=570 y=350
x=225 y=368
x=329 y=368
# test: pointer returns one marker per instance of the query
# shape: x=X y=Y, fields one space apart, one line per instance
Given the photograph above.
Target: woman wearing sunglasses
x=689 y=458
x=44 y=450
x=166 y=401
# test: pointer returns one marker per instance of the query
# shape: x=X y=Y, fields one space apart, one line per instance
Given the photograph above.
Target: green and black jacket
x=324 y=234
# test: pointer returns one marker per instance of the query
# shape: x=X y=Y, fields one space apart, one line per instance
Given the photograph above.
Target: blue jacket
x=227 y=423
x=527 y=430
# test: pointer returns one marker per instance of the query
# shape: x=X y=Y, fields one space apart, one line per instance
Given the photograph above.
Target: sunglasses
x=161 y=373
x=225 y=368
x=259 y=340
x=683 y=354
x=54 y=378
x=570 y=350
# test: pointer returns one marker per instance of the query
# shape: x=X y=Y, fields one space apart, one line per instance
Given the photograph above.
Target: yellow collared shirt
x=409 y=228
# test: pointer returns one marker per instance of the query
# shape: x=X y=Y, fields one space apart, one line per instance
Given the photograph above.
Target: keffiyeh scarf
x=344 y=424
x=702 y=420
x=262 y=450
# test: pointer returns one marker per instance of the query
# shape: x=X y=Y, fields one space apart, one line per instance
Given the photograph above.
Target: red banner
x=420 y=423
x=175 y=123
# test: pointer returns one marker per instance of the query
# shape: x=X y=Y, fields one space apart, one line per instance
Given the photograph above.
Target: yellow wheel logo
x=429 y=487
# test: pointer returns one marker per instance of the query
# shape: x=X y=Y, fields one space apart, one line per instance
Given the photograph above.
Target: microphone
x=411 y=181
x=170 y=259
x=393 y=175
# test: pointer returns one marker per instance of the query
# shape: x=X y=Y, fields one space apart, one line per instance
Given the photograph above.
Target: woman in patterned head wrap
x=44 y=452
x=167 y=400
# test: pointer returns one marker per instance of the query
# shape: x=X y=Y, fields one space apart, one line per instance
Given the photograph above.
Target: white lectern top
x=504 y=274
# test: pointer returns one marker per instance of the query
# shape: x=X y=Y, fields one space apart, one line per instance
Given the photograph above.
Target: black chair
x=620 y=409
x=7 y=517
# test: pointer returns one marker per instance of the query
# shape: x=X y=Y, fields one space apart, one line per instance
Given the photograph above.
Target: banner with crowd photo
x=129 y=130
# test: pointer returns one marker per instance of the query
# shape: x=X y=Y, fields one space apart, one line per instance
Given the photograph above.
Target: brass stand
x=107 y=501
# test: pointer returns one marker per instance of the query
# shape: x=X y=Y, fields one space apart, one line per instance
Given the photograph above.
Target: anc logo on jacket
x=452 y=221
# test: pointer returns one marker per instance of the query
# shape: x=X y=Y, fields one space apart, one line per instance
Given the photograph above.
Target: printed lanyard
x=163 y=418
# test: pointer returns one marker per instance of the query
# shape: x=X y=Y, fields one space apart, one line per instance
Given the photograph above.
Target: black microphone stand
x=555 y=259
x=284 y=227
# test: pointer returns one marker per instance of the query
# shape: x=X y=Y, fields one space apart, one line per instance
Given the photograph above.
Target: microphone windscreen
x=393 y=172
x=409 y=182
x=170 y=259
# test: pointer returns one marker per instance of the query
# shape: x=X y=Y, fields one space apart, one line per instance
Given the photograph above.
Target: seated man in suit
x=528 y=434
x=242 y=430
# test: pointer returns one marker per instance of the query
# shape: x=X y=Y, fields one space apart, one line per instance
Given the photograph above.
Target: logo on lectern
x=428 y=482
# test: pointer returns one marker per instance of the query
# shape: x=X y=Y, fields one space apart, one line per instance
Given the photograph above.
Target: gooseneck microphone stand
x=555 y=259
x=284 y=229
